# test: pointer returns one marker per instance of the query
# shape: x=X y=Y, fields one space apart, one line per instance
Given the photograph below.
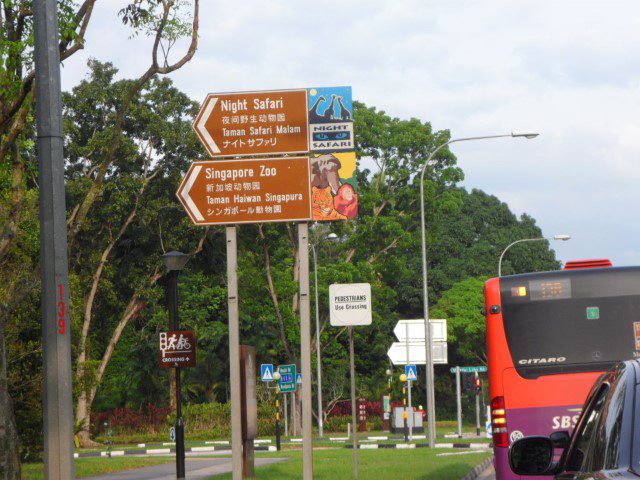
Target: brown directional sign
x=254 y=123
x=247 y=191
x=177 y=349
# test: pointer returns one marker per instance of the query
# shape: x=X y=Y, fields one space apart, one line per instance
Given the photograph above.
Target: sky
x=569 y=70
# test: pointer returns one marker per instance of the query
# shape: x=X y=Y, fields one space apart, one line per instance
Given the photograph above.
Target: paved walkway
x=197 y=469
x=488 y=474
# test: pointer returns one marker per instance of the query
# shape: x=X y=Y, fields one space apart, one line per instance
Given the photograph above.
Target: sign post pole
x=458 y=402
x=56 y=341
x=172 y=291
x=286 y=414
x=234 y=353
x=477 y=407
x=409 y=421
x=305 y=351
x=353 y=403
x=277 y=418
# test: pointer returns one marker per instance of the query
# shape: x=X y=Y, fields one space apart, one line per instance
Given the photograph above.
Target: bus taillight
x=499 y=422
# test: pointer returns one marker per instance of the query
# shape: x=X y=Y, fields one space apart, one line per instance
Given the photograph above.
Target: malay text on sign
x=247 y=191
x=177 y=349
x=254 y=123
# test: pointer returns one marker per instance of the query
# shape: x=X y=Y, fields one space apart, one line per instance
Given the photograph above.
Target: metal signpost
x=411 y=345
x=249 y=408
x=350 y=305
x=57 y=403
x=458 y=402
x=412 y=375
x=273 y=190
x=475 y=370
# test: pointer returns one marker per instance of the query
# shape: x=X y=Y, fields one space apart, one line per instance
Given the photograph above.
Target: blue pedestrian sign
x=266 y=370
x=411 y=372
x=299 y=379
x=172 y=434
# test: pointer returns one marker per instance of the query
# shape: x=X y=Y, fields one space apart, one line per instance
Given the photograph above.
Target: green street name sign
x=287 y=382
x=479 y=369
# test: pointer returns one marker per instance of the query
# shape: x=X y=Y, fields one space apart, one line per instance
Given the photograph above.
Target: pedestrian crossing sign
x=299 y=379
x=411 y=372
x=267 y=372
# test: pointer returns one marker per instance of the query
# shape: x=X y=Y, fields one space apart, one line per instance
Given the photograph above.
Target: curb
x=165 y=451
x=478 y=469
x=471 y=446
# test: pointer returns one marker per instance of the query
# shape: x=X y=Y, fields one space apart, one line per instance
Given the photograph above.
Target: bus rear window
x=567 y=322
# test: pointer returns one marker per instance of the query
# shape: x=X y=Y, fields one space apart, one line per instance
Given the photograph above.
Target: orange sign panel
x=247 y=191
x=254 y=123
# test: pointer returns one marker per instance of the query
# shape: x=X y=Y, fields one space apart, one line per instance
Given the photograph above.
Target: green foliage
x=466 y=233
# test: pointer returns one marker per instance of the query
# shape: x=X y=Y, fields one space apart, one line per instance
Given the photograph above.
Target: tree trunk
x=9 y=447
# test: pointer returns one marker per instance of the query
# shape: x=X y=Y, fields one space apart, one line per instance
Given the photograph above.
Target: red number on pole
x=62 y=321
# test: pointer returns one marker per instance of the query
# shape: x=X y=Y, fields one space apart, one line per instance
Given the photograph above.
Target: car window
x=604 y=453
x=578 y=458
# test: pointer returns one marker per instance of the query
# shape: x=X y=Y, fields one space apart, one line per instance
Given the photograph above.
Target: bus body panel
x=549 y=402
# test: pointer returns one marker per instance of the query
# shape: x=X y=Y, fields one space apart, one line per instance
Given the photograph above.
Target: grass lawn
x=335 y=464
x=86 y=467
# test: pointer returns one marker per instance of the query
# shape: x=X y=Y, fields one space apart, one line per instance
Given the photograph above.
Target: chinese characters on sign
x=254 y=123
x=177 y=349
x=315 y=121
x=247 y=191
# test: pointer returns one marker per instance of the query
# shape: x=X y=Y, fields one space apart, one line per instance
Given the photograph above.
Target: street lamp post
x=331 y=236
x=175 y=262
x=430 y=396
x=562 y=237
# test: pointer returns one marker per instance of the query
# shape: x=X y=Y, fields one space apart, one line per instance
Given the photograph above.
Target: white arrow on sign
x=417 y=353
x=211 y=145
x=416 y=330
x=188 y=183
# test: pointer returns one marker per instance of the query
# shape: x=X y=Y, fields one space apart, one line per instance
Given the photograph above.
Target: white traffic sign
x=417 y=353
x=350 y=304
x=411 y=371
x=266 y=374
x=416 y=330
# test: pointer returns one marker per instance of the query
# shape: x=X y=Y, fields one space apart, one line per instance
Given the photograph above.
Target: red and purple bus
x=549 y=336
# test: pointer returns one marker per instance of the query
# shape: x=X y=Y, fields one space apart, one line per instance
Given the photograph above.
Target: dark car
x=606 y=441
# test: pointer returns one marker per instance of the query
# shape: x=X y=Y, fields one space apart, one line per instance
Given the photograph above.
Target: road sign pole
x=277 y=419
x=56 y=341
x=286 y=414
x=294 y=420
x=458 y=402
x=172 y=300
x=234 y=353
x=404 y=413
x=305 y=352
x=352 y=367
x=410 y=423
x=477 y=409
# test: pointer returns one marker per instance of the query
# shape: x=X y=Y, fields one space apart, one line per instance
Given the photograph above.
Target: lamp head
x=525 y=134
x=331 y=237
x=388 y=372
x=276 y=376
x=563 y=237
x=174 y=261
x=403 y=378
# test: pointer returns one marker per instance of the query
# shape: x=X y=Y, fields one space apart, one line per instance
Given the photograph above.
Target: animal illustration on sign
x=333 y=192
x=330 y=119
